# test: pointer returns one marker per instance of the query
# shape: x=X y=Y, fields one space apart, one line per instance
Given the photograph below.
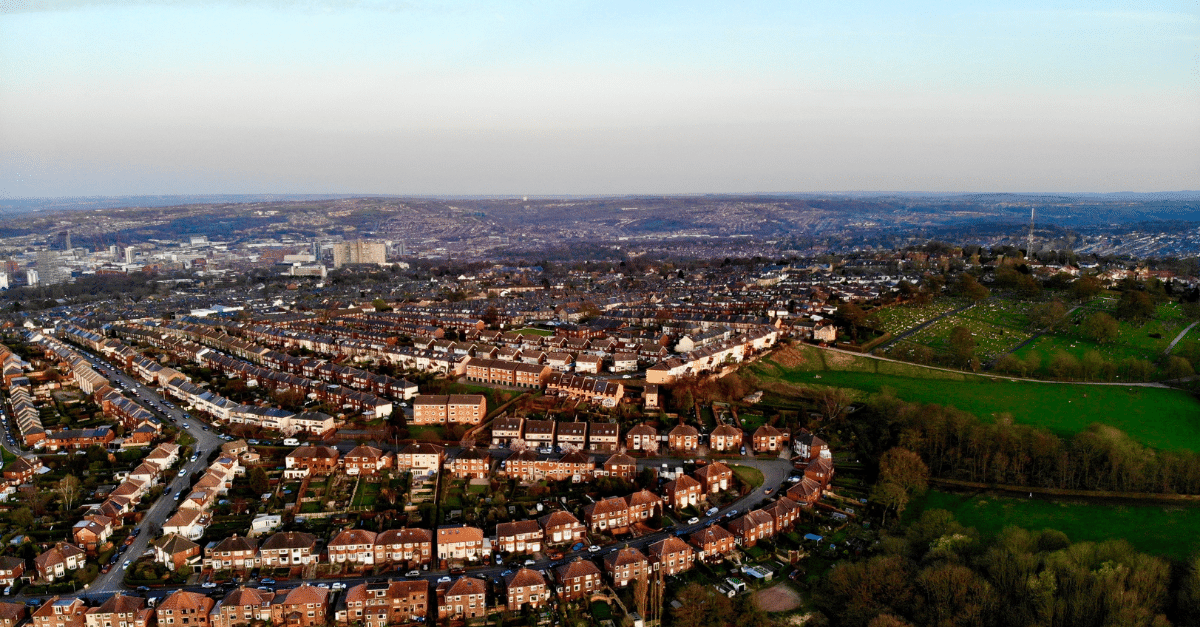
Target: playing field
x=1162 y=530
x=1158 y=417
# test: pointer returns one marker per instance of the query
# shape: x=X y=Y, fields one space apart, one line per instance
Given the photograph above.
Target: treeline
x=957 y=445
x=937 y=572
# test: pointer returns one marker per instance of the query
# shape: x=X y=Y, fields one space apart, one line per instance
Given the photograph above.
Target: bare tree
x=68 y=490
x=834 y=402
x=517 y=445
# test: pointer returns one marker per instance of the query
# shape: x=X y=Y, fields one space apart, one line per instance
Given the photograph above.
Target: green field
x=542 y=332
x=1158 y=417
x=1134 y=340
x=752 y=477
x=900 y=318
x=1166 y=530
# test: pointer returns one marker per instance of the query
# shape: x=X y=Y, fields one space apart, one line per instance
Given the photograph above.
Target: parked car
x=530 y=562
x=413 y=573
x=578 y=547
x=593 y=549
x=125 y=566
x=337 y=585
x=267 y=581
x=208 y=584
x=693 y=520
x=443 y=580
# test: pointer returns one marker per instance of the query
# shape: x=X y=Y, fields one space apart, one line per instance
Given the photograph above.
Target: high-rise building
x=31 y=277
x=130 y=251
x=3 y=280
x=50 y=268
x=359 y=251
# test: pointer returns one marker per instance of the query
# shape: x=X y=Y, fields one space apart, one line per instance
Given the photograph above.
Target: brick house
x=233 y=553
x=120 y=610
x=526 y=588
x=175 y=552
x=805 y=492
x=820 y=470
x=625 y=565
x=521 y=536
x=609 y=514
x=421 y=457
x=410 y=547
x=540 y=433
x=643 y=505
x=367 y=461
x=712 y=543
x=473 y=463
x=752 y=526
x=12 y=614
x=465 y=599
x=725 y=438
x=783 y=513
x=561 y=527
x=449 y=409
x=459 y=542
x=768 y=439
x=60 y=612
x=572 y=433
x=304 y=606
x=23 y=469
x=578 y=579
x=243 y=606
x=184 y=609
x=671 y=556
x=318 y=460
x=714 y=477
x=683 y=439
x=11 y=569
x=683 y=492
x=604 y=436
x=60 y=559
x=642 y=437
x=622 y=466
x=506 y=429
x=379 y=604
x=352 y=546
x=289 y=549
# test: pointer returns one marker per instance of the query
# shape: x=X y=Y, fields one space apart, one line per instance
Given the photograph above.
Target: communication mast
x=1029 y=246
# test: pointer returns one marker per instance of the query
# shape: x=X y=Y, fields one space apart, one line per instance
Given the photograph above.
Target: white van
x=291 y=442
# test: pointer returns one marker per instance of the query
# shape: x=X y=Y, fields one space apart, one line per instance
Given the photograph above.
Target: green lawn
x=1161 y=418
x=900 y=318
x=1159 y=529
x=1133 y=341
x=542 y=332
x=752 y=477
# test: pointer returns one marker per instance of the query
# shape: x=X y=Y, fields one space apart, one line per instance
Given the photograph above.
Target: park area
x=1166 y=530
x=1158 y=417
x=897 y=319
x=1146 y=341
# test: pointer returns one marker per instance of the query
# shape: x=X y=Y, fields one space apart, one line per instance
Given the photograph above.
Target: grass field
x=1157 y=417
x=752 y=477
x=1169 y=531
x=1134 y=340
x=900 y=318
x=542 y=332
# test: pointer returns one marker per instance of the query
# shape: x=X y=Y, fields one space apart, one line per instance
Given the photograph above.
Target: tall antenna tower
x=1029 y=246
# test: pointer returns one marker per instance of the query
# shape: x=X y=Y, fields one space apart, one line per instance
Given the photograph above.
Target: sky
x=526 y=97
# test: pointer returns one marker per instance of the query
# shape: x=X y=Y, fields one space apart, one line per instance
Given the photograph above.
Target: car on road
x=530 y=562
x=593 y=549
x=693 y=520
x=731 y=514
x=125 y=566
x=711 y=511
x=578 y=547
x=413 y=573
x=105 y=568
x=337 y=585
x=33 y=603
x=267 y=581
x=323 y=585
x=209 y=584
x=767 y=491
x=443 y=580
x=183 y=472
x=143 y=588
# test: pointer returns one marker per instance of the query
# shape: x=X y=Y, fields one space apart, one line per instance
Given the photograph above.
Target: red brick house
x=184 y=609
x=465 y=599
x=610 y=515
x=622 y=466
x=671 y=556
x=526 y=588
x=725 y=438
x=625 y=565
x=714 y=477
x=561 y=527
x=578 y=579
x=683 y=439
x=712 y=543
x=305 y=606
x=412 y=548
x=379 y=604
x=521 y=536
x=683 y=492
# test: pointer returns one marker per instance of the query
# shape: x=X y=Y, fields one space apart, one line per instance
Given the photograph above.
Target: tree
x=850 y=316
x=1135 y=305
x=67 y=490
x=890 y=496
x=22 y=518
x=962 y=345
x=1177 y=368
x=701 y=606
x=1048 y=315
x=259 y=483
x=968 y=287
x=834 y=402
x=905 y=469
x=1085 y=288
x=1100 y=327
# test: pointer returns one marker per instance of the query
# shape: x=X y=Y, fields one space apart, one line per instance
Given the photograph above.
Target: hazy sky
x=531 y=97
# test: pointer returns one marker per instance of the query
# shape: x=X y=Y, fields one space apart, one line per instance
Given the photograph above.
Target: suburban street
x=161 y=510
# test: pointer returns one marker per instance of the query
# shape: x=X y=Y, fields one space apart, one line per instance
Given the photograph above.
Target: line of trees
x=938 y=572
x=957 y=445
